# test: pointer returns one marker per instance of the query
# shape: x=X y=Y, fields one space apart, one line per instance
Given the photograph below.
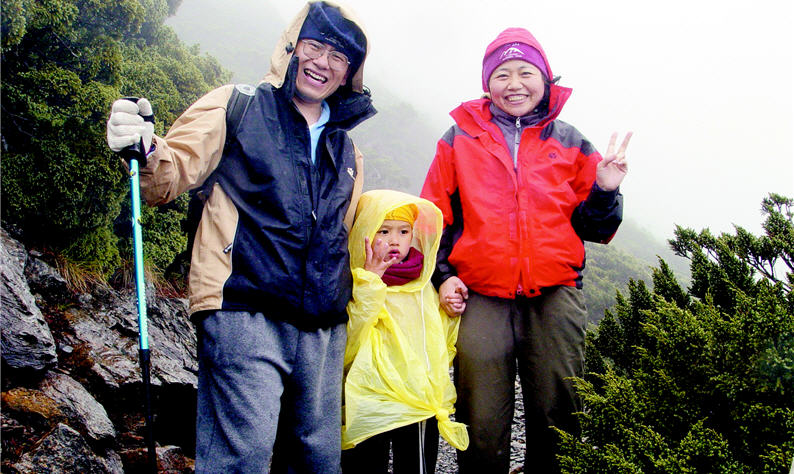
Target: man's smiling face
x=316 y=79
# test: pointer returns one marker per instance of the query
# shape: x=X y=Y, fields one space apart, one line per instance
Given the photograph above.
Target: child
x=400 y=344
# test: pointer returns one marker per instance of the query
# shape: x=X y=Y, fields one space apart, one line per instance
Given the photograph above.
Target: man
x=270 y=275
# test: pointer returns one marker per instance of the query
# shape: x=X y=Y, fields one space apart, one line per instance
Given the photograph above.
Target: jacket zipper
x=516 y=142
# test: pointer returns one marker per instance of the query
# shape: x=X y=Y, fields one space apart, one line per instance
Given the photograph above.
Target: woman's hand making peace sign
x=613 y=168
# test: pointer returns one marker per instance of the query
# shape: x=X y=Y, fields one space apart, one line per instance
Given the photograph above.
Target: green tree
x=609 y=269
x=64 y=63
x=699 y=380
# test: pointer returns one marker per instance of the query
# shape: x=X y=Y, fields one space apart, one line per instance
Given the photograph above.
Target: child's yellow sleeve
x=363 y=310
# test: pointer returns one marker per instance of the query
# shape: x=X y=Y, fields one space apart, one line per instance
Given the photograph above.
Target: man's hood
x=280 y=60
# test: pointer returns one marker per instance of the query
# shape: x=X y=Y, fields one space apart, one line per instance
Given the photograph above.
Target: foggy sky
x=706 y=86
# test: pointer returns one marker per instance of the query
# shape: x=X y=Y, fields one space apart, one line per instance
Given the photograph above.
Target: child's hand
x=378 y=259
x=456 y=303
x=453 y=294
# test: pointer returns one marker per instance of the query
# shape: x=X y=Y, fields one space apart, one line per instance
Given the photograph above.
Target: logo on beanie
x=511 y=53
x=335 y=41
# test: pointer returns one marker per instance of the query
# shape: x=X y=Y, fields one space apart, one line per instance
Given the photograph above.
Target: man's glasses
x=314 y=49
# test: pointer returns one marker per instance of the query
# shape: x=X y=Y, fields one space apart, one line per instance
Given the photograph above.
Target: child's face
x=516 y=87
x=398 y=236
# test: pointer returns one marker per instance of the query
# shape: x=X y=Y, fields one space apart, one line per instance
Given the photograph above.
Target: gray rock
x=65 y=419
x=15 y=250
x=32 y=408
x=46 y=281
x=173 y=459
x=107 y=332
x=27 y=342
x=64 y=450
x=83 y=412
x=173 y=342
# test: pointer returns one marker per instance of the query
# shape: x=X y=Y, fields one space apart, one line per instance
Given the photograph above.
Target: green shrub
x=699 y=380
x=64 y=63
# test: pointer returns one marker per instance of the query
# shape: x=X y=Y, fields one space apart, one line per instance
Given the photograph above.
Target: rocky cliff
x=72 y=397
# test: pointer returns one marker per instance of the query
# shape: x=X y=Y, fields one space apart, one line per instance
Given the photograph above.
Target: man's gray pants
x=541 y=339
x=259 y=376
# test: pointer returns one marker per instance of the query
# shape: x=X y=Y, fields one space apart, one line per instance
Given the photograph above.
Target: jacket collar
x=473 y=116
x=348 y=108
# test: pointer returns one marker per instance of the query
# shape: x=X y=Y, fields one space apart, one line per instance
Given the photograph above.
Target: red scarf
x=405 y=271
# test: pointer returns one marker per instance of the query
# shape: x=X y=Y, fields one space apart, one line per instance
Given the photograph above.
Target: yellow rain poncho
x=400 y=343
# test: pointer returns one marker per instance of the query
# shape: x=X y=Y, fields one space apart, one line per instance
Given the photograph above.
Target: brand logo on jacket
x=351 y=173
x=553 y=155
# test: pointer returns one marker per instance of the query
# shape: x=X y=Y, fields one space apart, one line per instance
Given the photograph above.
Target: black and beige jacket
x=273 y=233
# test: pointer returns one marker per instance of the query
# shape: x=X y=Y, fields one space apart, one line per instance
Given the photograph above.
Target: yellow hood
x=373 y=206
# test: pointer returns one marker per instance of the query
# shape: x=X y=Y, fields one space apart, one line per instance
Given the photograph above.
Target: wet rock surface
x=27 y=342
x=72 y=395
x=65 y=450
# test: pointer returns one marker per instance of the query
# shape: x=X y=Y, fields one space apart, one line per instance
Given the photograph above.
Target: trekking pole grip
x=136 y=151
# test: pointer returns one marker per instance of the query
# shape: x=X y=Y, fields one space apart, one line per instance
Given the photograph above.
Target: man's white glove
x=131 y=124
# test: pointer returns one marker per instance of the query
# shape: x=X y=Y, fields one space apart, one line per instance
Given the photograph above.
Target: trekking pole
x=132 y=154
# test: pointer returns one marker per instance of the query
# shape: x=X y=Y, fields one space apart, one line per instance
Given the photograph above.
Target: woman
x=519 y=191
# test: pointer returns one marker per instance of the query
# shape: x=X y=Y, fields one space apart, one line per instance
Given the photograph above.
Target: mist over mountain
x=631 y=255
x=243 y=43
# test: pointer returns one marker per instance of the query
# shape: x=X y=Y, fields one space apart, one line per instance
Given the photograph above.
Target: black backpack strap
x=235 y=110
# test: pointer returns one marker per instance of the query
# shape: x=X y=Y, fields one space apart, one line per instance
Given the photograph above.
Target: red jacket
x=511 y=232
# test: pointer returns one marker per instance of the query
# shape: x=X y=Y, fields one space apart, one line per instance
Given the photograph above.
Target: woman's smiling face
x=516 y=87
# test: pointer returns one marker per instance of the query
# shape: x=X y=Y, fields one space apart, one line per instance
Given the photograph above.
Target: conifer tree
x=64 y=62
x=697 y=380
